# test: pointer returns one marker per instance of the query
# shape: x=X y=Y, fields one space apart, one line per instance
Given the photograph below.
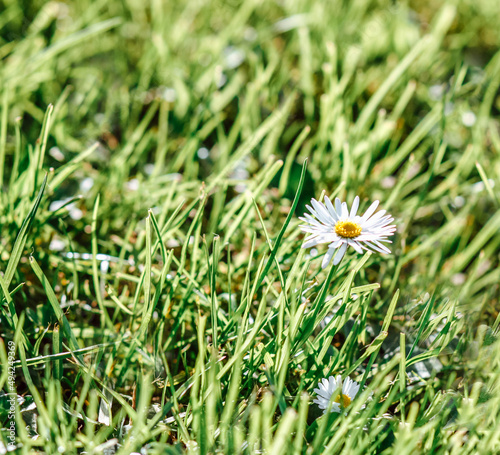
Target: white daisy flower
x=345 y=392
x=342 y=228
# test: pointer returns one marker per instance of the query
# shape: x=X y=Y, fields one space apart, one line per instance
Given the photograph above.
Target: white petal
x=321 y=403
x=356 y=246
x=331 y=209
x=310 y=229
x=316 y=239
x=336 y=243
x=333 y=384
x=312 y=220
x=340 y=254
x=347 y=386
x=313 y=212
x=328 y=257
x=338 y=206
x=345 y=210
x=373 y=219
x=324 y=395
x=363 y=245
x=322 y=212
x=311 y=243
x=367 y=237
x=308 y=207
x=354 y=390
x=381 y=230
x=354 y=208
x=378 y=224
x=383 y=247
x=374 y=247
x=335 y=407
x=370 y=211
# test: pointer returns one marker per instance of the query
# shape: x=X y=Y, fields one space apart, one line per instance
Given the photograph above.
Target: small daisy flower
x=345 y=392
x=340 y=228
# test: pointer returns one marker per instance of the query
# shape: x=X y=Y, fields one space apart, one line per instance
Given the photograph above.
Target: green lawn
x=155 y=158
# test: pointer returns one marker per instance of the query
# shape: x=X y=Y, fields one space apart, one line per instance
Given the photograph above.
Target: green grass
x=154 y=159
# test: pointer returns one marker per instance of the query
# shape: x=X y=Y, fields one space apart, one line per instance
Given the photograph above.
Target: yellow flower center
x=346 y=401
x=347 y=229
